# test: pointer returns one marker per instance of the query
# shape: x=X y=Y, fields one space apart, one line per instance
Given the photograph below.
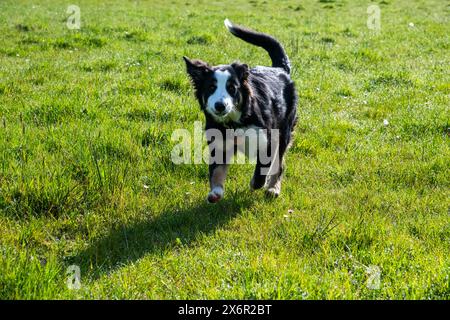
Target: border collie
x=235 y=97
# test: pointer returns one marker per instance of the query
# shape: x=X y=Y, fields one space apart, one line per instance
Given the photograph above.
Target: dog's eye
x=231 y=89
x=212 y=87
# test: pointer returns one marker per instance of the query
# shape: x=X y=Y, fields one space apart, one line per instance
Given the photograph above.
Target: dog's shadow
x=170 y=229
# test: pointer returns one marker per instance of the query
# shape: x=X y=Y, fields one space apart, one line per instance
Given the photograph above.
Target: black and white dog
x=235 y=97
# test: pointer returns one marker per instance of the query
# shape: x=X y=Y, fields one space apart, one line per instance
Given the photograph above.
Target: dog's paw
x=256 y=184
x=215 y=195
x=273 y=192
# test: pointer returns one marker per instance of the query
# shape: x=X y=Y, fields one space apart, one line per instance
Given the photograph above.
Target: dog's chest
x=249 y=140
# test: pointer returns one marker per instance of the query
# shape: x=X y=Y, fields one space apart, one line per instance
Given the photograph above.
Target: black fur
x=265 y=96
x=270 y=44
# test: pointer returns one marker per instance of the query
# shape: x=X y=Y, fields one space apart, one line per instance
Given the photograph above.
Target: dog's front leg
x=220 y=153
x=217 y=175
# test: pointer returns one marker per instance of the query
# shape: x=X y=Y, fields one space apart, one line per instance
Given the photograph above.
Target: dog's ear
x=196 y=69
x=241 y=70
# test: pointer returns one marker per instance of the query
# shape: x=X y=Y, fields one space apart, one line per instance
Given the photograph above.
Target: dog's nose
x=219 y=106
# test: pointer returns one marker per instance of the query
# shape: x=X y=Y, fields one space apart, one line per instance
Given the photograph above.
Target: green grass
x=86 y=177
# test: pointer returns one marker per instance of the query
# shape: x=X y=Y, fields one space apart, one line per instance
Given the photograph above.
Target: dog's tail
x=269 y=43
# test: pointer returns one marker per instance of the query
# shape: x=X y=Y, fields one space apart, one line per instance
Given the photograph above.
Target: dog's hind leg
x=274 y=180
x=274 y=184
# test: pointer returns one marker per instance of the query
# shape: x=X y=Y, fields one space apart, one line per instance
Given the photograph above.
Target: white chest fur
x=250 y=141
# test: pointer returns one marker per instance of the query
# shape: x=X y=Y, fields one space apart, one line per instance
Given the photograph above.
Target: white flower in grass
x=411 y=25
x=287 y=216
x=385 y=122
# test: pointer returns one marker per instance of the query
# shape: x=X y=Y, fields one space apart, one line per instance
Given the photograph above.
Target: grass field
x=86 y=178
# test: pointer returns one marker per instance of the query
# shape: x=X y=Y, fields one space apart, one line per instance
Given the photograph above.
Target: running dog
x=263 y=99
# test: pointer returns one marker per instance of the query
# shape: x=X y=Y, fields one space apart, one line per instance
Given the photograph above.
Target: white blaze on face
x=221 y=94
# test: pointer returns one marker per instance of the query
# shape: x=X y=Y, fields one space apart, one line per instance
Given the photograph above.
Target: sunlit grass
x=86 y=176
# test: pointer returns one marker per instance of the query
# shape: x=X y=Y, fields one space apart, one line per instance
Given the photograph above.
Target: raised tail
x=269 y=43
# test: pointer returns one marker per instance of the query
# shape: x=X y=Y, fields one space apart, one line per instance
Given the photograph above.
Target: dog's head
x=220 y=90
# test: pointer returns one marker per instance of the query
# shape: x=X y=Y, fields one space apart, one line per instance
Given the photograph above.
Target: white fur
x=251 y=140
x=221 y=95
x=216 y=192
x=234 y=115
x=228 y=24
